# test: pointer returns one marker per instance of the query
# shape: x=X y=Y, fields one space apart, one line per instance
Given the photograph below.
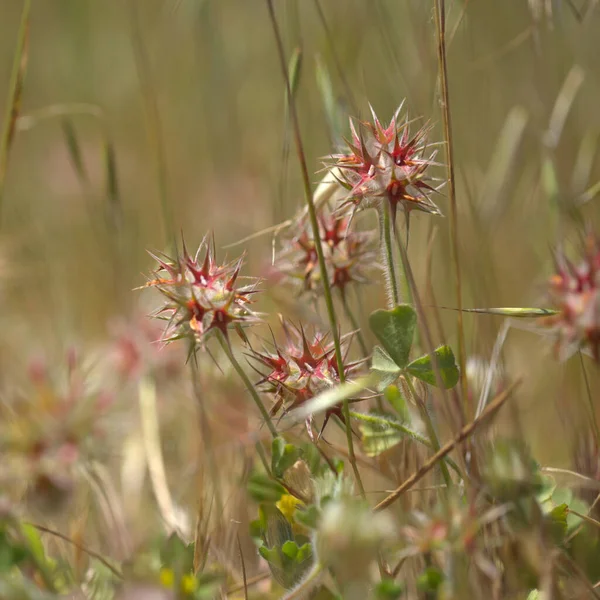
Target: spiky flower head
x=387 y=164
x=300 y=370
x=350 y=255
x=575 y=292
x=202 y=297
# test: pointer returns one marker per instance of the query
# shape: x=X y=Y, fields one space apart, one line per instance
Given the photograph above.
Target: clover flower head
x=575 y=292
x=300 y=370
x=202 y=297
x=387 y=164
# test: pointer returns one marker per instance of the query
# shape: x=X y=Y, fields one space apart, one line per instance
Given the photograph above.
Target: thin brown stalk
x=440 y=22
x=15 y=92
x=245 y=580
x=308 y=194
x=465 y=432
x=80 y=547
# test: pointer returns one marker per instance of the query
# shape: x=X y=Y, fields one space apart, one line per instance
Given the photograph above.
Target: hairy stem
x=249 y=386
x=385 y=225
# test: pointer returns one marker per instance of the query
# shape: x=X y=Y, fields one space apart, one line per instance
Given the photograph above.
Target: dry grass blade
x=465 y=432
x=156 y=466
x=15 y=92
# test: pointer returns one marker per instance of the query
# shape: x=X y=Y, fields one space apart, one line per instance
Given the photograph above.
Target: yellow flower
x=287 y=505
x=167 y=578
x=188 y=584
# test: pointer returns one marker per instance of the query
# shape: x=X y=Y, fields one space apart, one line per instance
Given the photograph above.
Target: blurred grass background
x=212 y=68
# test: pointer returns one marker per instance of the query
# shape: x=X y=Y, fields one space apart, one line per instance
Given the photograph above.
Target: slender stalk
x=355 y=325
x=96 y=555
x=153 y=123
x=431 y=433
x=312 y=213
x=249 y=386
x=440 y=23
x=388 y=254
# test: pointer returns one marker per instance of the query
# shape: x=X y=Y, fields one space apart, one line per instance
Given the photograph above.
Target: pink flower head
x=575 y=292
x=300 y=370
x=201 y=296
x=387 y=164
x=349 y=255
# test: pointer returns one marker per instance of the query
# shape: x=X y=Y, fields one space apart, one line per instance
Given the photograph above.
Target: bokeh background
x=185 y=99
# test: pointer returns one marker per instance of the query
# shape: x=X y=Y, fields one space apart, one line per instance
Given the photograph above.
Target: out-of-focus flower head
x=136 y=350
x=49 y=427
x=575 y=293
x=350 y=255
x=387 y=164
x=300 y=370
x=202 y=297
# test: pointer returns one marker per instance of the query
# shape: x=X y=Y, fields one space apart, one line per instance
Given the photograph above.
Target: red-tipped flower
x=349 y=255
x=300 y=370
x=387 y=164
x=575 y=292
x=202 y=296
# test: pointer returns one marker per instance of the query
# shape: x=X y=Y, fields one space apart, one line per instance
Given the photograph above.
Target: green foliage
x=395 y=330
x=424 y=368
x=384 y=367
x=263 y=488
x=388 y=589
x=430 y=580
x=283 y=456
x=393 y=395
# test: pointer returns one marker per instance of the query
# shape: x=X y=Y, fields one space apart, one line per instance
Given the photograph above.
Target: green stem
x=249 y=386
x=388 y=255
x=431 y=433
x=355 y=325
x=312 y=213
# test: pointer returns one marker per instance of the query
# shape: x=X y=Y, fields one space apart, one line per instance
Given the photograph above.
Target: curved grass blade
x=15 y=92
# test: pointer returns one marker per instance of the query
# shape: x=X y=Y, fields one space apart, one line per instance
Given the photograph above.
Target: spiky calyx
x=387 y=164
x=350 y=255
x=202 y=297
x=575 y=292
x=300 y=370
